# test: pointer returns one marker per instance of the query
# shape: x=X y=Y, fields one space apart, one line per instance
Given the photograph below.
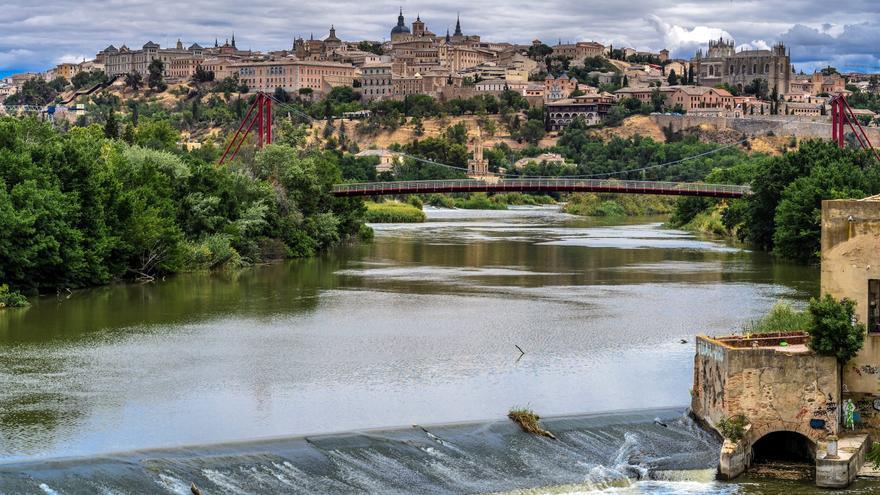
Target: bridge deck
x=541 y=185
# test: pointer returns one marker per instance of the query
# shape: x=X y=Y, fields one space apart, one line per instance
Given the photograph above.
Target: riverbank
x=618 y=205
x=604 y=450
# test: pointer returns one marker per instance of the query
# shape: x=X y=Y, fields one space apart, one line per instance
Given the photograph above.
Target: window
x=874 y=306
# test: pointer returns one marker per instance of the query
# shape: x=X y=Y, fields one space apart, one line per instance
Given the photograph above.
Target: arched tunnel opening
x=785 y=455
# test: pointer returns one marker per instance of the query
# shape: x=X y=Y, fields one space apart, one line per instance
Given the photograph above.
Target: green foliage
x=78 y=209
x=479 y=201
x=392 y=212
x=617 y=205
x=370 y=47
x=134 y=80
x=11 y=299
x=202 y=76
x=734 y=428
x=833 y=331
x=35 y=91
x=783 y=211
x=88 y=79
x=781 y=318
x=155 y=78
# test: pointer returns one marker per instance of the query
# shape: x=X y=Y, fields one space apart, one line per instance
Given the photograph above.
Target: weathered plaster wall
x=850 y=257
x=776 y=391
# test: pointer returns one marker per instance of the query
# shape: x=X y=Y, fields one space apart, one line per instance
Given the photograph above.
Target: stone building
x=375 y=81
x=557 y=88
x=590 y=108
x=293 y=75
x=851 y=269
x=723 y=64
x=125 y=60
x=579 y=51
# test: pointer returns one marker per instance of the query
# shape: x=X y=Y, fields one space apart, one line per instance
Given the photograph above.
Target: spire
x=233 y=40
x=458 y=25
x=400 y=18
x=448 y=39
x=215 y=43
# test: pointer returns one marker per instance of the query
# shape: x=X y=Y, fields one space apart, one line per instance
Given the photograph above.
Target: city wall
x=802 y=127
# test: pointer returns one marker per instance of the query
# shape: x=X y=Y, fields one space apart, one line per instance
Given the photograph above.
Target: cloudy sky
x=37 y=34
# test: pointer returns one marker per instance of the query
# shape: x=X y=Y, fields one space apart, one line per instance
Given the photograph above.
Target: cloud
x=853 y=48
x=36 y=35
x=682 y=41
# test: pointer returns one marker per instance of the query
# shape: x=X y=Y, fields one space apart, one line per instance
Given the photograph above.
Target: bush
x=11 y=299
x=781 y=318
x=833 y=331
x=733 y=429
x=615 y=205
x=394 y=213
x=478 y=201
x=441 y=201
x=213 y=252
x=528 y=421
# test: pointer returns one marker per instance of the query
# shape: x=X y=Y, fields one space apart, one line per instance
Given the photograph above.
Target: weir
x=597 y=451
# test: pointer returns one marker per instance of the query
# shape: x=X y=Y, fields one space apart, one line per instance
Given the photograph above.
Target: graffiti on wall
x=707 y=350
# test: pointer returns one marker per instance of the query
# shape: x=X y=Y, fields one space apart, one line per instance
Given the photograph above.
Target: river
x=421 y=326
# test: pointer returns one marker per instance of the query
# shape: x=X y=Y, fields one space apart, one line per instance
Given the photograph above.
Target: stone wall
x=781 y=125
x=851 y=257
x=775 y=389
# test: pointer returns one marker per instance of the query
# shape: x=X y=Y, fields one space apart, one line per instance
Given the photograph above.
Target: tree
x=758 y=87
x=155 y=78
x=281 y=95
x=673 y=78
x=88 y=79
x=418 y=126
x=134 y=80
x=532 y=131
x=625 y=82
x=827 y=71
x=658 y=99
x=35 y=91
x=539 y=51
x=690 y=75
x=834 y=331
x=202 y=76
x=366 y=46
x=111 y=127
x=58 y=84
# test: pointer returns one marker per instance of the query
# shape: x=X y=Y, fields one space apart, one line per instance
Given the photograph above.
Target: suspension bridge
x=260 y=115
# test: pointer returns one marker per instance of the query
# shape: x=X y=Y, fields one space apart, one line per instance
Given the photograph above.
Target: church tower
x=478 y=167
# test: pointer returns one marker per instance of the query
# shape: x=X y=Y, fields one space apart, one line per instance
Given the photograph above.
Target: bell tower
x=478 y=167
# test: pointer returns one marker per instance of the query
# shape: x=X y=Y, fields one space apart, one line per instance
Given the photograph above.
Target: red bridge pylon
x=262 y=118
x=843 y=115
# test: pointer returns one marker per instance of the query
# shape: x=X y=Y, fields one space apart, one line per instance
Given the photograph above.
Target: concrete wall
x=851 y=257
x=780 y=125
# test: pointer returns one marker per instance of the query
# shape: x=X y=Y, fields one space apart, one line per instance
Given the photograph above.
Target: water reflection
x=417 y=327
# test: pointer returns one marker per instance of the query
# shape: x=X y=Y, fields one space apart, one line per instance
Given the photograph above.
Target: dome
x=400 y=28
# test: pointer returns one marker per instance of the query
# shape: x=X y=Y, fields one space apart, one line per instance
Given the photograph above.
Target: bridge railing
x=544 y=184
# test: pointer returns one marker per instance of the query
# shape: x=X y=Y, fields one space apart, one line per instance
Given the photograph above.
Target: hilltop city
x=582 y=79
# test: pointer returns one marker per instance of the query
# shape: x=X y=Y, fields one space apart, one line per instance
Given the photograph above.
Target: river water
x=419 y=327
